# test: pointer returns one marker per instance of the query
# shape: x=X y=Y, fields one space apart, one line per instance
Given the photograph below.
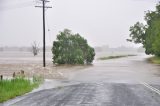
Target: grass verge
x=10 y=88
x=114 y=57
x=155 y=60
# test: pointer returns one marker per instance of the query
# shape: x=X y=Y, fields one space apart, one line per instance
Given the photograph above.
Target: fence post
x=1 y=77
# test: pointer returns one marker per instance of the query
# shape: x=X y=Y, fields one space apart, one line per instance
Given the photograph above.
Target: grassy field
x=16 y=87
x=155 y=60
x=114 y=57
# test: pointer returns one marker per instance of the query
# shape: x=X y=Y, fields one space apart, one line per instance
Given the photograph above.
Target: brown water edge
x=35 y=69
x=13 y=61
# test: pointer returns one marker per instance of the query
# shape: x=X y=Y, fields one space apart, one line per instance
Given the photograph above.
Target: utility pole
x=44 y=30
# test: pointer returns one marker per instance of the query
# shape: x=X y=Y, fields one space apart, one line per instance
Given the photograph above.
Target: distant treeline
x=97 y=49
x=119 y=49
x=23 y=49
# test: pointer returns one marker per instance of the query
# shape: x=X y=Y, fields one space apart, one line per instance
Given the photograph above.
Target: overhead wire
x=17 y=5
x=29 y=3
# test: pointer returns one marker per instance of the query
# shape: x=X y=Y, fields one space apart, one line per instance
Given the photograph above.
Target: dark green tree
x=72 y=49
x=149 y=34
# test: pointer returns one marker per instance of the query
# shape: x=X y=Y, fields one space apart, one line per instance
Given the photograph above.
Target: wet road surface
x=128 y=81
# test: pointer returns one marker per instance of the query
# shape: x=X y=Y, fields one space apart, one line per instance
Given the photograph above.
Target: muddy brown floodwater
x=11 y=62
x=129 y=81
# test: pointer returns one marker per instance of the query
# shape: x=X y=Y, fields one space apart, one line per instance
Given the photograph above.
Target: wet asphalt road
x=120 y=82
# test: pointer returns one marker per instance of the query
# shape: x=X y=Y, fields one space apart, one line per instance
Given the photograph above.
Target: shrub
x=72 y=49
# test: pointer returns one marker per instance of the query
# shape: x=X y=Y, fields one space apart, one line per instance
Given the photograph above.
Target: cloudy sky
x=101 y=22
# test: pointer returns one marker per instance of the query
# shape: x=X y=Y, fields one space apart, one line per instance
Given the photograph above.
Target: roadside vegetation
x=148 y=34
x=155 y=60
x=114 y=57
x=10 y=88
x=72 y=49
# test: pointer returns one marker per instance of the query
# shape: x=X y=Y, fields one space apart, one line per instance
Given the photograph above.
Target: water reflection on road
x=113 y=82
x=130 y=70
x=126 y=70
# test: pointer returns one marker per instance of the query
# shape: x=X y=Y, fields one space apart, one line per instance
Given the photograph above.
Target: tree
x=35 y=48
x=149 y=34
x=72 y=49
x=137 y=33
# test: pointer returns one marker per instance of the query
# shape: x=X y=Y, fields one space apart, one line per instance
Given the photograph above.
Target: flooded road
x=130 y=81
x=123 y=70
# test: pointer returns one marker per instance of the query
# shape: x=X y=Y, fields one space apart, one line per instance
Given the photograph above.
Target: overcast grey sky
x=101 y=22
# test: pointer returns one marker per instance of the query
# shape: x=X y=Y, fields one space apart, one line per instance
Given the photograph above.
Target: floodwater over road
x=125 y=70
x=130 y=81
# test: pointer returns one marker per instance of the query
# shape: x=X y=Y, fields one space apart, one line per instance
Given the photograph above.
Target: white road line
x=151 y=88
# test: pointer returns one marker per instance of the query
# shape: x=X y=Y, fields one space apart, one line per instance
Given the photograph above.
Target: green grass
x=16 y=87
x=114 y=57
x=155 y=60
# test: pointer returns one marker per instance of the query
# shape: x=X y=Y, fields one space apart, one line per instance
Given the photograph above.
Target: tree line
x=148 y=34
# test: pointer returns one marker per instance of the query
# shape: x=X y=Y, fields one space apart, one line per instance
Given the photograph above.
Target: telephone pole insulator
x=44 y=29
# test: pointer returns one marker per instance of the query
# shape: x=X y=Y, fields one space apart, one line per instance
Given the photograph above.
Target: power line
x=44 y=28
x=16 y=6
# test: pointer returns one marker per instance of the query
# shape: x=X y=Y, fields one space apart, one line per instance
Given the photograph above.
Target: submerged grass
x=114 y=57
x=10 y=88
x=155 y=60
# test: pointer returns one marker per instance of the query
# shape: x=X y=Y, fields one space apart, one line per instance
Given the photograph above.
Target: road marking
x=151 y=88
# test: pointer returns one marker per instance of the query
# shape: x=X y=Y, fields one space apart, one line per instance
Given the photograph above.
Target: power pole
x=44 y=30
